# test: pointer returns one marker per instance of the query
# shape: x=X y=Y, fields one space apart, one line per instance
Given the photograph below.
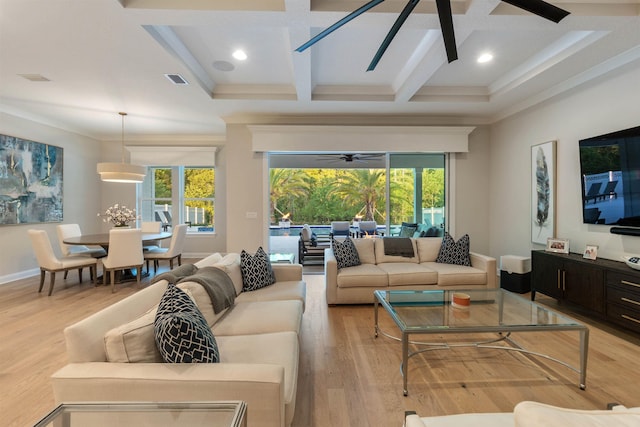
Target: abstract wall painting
x=30 y=181
x=543 y=192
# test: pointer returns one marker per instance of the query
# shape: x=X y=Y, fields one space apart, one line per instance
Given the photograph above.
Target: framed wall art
x=30 y=181
x=543 y=191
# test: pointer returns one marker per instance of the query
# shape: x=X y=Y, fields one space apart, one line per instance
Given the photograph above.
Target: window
x=179 y=195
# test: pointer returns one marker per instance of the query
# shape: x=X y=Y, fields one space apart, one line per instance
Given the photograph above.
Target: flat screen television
x=610 y=172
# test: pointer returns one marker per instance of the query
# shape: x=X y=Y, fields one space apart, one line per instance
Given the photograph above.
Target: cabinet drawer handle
x=630 y=300
x=624 y=316
x=624 y=282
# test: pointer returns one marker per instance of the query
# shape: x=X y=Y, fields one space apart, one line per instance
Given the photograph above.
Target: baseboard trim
x=19 y=275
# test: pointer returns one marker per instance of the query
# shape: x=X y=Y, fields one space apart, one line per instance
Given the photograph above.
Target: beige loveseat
x=355 y=285
x=534 y=414
x=113 y=357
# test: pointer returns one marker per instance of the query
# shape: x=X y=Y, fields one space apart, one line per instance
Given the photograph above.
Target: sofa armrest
x=261 y=386
x=331 y=276
x=488 y=264
x=287 y=272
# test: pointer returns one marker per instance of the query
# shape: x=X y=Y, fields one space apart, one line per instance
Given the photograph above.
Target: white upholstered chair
x=151 y=227
x=65 y=231
x=48 y=261
x=125 y=251
x=172 y=252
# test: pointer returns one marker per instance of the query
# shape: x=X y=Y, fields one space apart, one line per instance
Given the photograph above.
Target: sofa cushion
x=366 y=251
x=527 y=414
x=202 y=300
x=181 y=331
x=261 y=317
x=452 y=274
x=382 y=258
x=452 y=252
x=281 y=291
x=256 y=270
x=428 y=248
x=364 y=275
x=400 y=274
x=133 y=342
x=279 y=348
x=345 y=252
x=230 y=264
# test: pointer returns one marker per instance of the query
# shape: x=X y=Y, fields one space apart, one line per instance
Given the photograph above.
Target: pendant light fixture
x=121 y=172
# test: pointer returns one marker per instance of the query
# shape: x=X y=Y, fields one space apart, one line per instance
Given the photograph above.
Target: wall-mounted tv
x=610 y=172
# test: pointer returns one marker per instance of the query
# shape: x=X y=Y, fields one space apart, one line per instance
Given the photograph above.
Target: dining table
x=102 y=239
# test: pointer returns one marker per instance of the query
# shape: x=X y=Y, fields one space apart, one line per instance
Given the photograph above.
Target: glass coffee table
x=490 y=311
x=164 y=414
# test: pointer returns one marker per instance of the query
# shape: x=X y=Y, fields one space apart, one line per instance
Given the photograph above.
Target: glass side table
x=140 y=414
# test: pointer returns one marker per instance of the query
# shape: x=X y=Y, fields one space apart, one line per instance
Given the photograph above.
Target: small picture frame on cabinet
x=560 y=246
x=590 y=252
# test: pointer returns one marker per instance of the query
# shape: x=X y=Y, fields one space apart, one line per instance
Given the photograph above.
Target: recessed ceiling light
x=240 y=55
x=485 y=57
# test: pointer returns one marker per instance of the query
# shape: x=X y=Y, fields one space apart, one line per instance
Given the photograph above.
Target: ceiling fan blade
x=340 y=23
x=540 y=8
x=446 y=25
x=392 y=33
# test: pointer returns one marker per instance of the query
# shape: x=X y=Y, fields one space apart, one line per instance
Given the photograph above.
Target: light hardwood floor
x=347 y=377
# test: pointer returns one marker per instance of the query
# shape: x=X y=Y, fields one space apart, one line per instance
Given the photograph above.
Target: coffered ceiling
x=99 y=57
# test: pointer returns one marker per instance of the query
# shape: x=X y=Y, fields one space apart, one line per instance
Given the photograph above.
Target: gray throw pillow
x=181 y=331
x=452 y=252
x=345 y=252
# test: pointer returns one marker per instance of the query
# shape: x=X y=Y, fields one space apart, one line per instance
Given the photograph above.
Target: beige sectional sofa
x=113 y=357
x=533 y=414
x=355 y=285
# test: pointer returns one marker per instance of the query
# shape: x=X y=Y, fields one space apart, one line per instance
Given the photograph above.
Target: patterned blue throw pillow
x=256 y=270
x=181 y=332
x=345 y=252
x=452 y=252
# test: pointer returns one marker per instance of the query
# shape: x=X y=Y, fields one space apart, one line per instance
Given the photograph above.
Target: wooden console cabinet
x=608 y=289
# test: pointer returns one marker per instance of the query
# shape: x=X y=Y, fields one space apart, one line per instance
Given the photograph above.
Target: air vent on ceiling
x=176 y=79
x=35 y=77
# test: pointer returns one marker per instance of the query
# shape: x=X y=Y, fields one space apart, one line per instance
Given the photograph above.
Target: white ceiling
x=105 y=56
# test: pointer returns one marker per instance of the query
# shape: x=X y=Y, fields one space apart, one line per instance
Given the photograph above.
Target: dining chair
x=64 y=231
x=172 y=252
x=125 y=251
x=151 y=227
x=48 y=261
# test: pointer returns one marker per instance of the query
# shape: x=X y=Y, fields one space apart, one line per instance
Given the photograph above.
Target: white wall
x=247 y=191
x=81 y=193
x=601 y=107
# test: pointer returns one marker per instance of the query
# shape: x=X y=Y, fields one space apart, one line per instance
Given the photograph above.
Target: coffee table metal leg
x=405 y=361
x=584 y=348
x=375 y=316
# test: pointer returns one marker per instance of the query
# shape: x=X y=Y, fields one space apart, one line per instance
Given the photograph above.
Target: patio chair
x=310 y=248
x=609 y=191
x=593 y=193
x=340 y=229
x=368 y=228
x=165 y=224
x=591 y=215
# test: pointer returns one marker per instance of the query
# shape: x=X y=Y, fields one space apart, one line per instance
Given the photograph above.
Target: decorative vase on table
x=120 y=216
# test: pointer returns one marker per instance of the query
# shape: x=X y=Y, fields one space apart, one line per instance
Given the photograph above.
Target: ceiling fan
x=350 y=158
x=537 y=7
